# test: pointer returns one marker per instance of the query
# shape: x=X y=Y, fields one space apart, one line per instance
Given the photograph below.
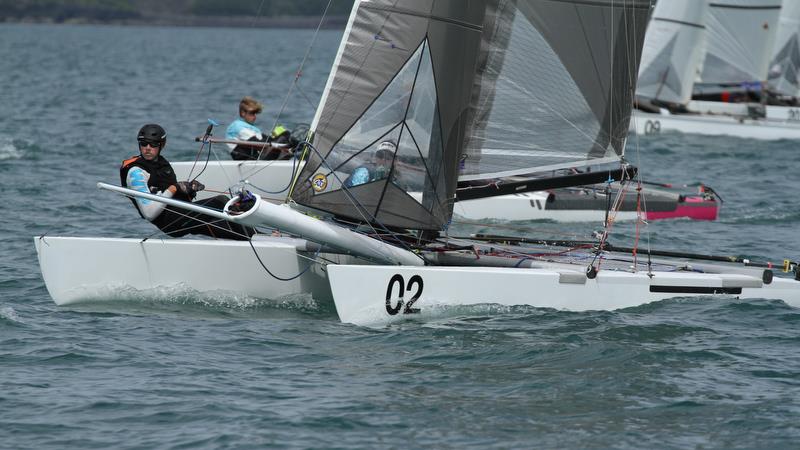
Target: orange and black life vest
x=161 y=175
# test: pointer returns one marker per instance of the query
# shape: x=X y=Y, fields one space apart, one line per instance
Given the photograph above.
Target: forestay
x=783 y=72
x=740 y=38
x=468 y=90
x=673 y=51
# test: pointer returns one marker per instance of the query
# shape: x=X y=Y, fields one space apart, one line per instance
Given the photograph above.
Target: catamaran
x=466 y=91
x=703 y=61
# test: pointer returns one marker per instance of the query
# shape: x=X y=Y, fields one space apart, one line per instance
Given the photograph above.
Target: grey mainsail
x=462 y=90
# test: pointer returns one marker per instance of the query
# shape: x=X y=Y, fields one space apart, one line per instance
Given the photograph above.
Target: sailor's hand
x=197 y=186
x=185 y=188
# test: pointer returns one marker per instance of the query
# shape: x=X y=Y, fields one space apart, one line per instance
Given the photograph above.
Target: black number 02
x=409 y=309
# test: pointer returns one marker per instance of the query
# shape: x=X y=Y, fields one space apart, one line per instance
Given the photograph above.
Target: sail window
x=398 y=139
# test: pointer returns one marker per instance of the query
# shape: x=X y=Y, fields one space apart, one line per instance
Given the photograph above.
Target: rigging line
x=513 y=228
x=197 y=158
x=641 y=208
x=362 y=210
x=403 y=125
x=295 y=167
x=258 y=14
x=299 y=71
x=530 y=95
x=228 y=180
x=608 y=226
x=203 y=222
x=364 y=58
x=257 y=165
x=311 y=263
x=305 y=96
x=510 y=252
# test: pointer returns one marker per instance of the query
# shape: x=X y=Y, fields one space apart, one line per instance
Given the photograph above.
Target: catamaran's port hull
x=649 y=124
x=371 y=295
x=81 y=269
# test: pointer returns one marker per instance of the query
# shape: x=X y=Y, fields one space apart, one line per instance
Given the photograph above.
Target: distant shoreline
x=331 y=22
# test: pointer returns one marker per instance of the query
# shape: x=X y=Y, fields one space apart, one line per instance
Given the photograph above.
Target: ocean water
x=181 y=371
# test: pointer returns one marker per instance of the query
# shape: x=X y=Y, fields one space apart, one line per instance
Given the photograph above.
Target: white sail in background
x=783 y=73
x=739 y=43
x=673 y=51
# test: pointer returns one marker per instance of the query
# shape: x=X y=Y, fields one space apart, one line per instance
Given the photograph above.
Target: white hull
x=104 y=269
x=774 y=113
x=648 y=124
x=360 y=292
x=529 y=206
x=270 y=179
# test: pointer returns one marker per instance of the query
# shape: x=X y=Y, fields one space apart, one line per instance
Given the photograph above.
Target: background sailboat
x=710 y=60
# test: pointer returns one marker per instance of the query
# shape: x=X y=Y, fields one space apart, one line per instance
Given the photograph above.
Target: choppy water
x=183 y=371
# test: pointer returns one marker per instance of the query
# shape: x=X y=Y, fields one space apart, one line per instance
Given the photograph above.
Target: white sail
x=673 y=51
x=783 y=72
x=739 y=44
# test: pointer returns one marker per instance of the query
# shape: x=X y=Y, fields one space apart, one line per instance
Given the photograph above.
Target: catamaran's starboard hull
x=79 y=269
x=648 y=124
x=377 y=295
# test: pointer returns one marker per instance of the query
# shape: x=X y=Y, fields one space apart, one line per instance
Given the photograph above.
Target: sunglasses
x=145 y=143
x=252 y=112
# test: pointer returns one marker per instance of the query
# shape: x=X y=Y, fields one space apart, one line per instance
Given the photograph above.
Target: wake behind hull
x=370 y=296
x=80 y=269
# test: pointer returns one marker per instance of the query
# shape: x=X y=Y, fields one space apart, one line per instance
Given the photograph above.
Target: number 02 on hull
x=377 y=295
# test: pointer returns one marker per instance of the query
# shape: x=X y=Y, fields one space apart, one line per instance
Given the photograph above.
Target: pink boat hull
x=696 y=208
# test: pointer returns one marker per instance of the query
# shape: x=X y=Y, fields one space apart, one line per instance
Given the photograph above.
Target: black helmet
x=152 y=133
